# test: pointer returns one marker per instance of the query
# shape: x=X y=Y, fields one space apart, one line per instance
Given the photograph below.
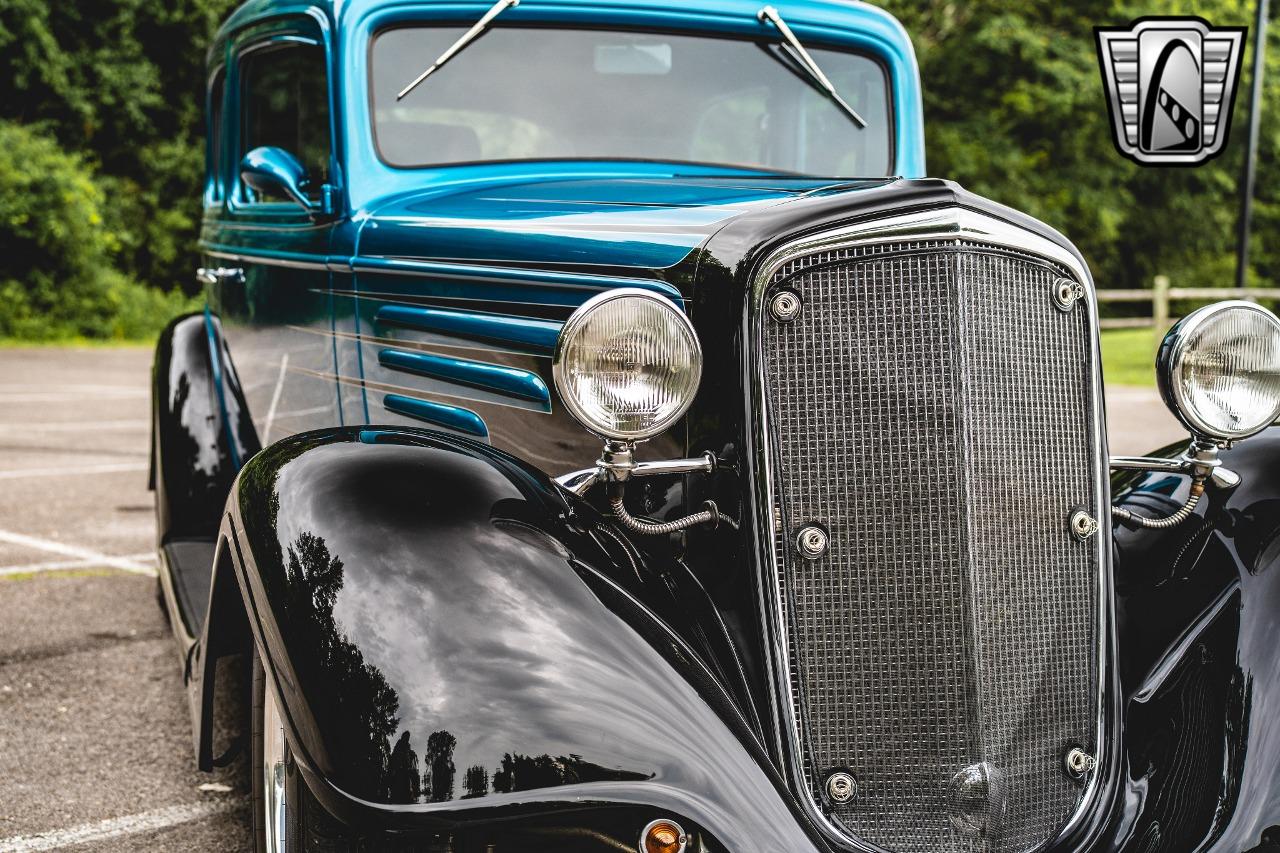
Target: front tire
x=274 y=775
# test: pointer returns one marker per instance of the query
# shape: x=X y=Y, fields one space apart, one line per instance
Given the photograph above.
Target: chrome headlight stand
x=1201 y=460
x=617 y=465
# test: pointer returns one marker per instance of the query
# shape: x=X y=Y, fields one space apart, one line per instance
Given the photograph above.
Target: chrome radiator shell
x=903 y=803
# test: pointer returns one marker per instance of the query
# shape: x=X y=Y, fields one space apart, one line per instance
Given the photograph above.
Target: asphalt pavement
x=95 y=739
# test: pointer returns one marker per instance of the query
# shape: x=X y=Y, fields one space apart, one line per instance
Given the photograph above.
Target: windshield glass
x=522 y=93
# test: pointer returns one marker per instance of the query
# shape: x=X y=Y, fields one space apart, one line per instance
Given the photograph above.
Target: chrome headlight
x=627 y=364
x=1219 y=370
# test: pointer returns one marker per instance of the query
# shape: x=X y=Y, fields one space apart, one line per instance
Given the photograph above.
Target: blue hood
x=644 y=223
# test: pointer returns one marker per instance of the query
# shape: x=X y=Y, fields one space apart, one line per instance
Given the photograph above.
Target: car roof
x=835 y=15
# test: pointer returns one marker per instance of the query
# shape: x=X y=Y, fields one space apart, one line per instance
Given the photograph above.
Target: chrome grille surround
x=923 y=236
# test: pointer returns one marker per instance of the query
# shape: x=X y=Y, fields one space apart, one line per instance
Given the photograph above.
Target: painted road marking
x=275 y=399
x=67 y=386
x=48 y=396
x=78 y=426
x=116 y=827
x=68 y=565
x=122 y=563
x=105 y=468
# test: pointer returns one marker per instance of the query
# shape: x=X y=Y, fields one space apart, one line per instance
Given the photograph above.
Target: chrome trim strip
x=272 y=261
x=1148 y=463
x=431 y=396
x=591 y=282
x=580 y=482
x=952 y=223
x=956 y=225
x=431 y=346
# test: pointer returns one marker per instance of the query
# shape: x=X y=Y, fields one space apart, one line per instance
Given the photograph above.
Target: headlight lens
x=627 y=364
x=1219 y=370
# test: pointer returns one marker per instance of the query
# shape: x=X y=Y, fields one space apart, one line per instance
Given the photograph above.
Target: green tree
x=120 y=83
x=1015 y=110
x=56 y=275
x=1013 y=101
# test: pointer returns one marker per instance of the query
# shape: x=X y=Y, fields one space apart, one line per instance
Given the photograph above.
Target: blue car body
x=477 y=228
x=354 y=449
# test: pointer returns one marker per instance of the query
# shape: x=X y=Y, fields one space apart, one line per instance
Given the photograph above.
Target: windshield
x=523 y=93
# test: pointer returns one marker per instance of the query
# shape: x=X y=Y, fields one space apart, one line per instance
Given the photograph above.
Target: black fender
x=201 y=431
x=455 y=639
x=1198 y=622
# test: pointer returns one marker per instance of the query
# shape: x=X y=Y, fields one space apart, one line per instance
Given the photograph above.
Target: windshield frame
x=769 y=37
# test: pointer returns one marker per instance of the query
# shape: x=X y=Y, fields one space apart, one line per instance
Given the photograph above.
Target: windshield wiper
x=770 y=14
x=467 y=38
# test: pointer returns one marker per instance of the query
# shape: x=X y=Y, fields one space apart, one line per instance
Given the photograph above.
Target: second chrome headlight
x=1219 y=370
x=627 y=364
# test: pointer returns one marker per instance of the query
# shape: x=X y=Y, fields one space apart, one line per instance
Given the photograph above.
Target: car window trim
x=215 y=136
x=817 y=44
x=280 y=35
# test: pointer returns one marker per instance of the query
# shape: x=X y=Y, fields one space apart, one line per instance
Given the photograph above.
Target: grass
x=88 y=572
x=78 y=343
x=1129 y=357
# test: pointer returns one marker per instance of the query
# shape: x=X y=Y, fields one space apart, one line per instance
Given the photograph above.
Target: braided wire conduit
x=1183 y=513
x=617 y=465
x=710 y=515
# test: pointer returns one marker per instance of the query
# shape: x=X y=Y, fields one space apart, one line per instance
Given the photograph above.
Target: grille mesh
x=933 y=409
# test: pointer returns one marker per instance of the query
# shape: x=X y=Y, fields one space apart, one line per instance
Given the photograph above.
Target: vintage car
x=601 y=436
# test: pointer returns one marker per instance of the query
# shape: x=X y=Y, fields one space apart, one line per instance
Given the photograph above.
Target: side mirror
x=274 y=170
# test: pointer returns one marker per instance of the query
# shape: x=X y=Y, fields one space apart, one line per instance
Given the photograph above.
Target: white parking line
x=116 y=827
x=275 y=400
x=66 y=386
x=89 y=556
x=68 y=565
x=105 y=468
x=51 y=396
x=78 y=426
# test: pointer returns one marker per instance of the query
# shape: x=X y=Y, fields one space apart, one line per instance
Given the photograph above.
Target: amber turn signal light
x=663 y=836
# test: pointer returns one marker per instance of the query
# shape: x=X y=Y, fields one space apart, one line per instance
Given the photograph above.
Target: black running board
x=191 y=571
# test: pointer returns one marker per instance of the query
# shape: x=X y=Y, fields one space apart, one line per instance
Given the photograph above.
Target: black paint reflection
x=197 y=451
x=363 y=706
x=403 y=784
x=1270 y=842
x=438 y=780
x=526 y=773
x=440 y=635
x=360 y=703
x=476 y=782
x=1187 y=742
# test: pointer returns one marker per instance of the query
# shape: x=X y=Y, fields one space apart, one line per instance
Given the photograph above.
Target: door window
x=285 y=97
x=214 y=167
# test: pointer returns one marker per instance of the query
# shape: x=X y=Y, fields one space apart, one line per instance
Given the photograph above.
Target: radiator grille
x=934 y=410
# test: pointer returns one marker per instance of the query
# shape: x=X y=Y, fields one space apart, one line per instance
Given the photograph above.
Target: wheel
x=274 y=776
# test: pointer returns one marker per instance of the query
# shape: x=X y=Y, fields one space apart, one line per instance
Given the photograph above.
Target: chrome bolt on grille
x=1083 y=525
x=1066 y=292
x=841 y=787
x=951 y=645
x=812 y=542
x=1079 y=763
x=785 y=306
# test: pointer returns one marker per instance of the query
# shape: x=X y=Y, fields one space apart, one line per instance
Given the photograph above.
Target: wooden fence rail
x=1161 y=294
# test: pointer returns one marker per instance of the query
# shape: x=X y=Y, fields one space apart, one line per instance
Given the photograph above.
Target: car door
x=266 y=258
